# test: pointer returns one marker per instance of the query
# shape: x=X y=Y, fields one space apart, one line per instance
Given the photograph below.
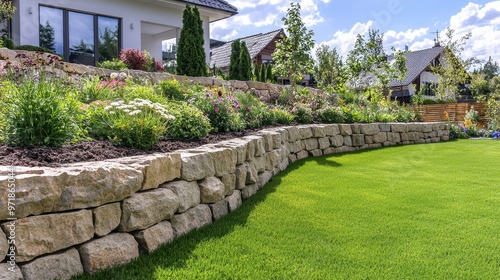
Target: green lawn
x=410 y=212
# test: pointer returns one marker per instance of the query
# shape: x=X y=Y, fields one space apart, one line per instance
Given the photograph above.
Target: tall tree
x=368 y=64
x=234 y=60
x=263 y=73
x=245 y=63
x=47 y=38
x=452 y=69
x=256 y=72
x=292 y=57
x=328 y=68
x=190 y=51
x=490 y=69
x=269 y=74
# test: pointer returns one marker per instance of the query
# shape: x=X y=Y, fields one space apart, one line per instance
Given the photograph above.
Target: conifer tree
x=245 y=63
x=269 y=74
x=234 y=60
x=256 y=72
x=190 y=50
x=263 y=73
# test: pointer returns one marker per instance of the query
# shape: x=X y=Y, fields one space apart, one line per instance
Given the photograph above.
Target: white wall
x=428 y=77
x=25 y=24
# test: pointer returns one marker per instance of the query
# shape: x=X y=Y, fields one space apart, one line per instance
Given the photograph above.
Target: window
x=428 y=88
x=79 y=37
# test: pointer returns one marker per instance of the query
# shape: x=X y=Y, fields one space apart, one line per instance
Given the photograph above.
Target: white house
x=89 y=31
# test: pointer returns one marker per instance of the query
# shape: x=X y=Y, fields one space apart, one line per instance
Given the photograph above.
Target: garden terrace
x=84 y=217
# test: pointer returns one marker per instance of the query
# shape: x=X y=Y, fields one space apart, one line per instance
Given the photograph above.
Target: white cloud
x=344 y=41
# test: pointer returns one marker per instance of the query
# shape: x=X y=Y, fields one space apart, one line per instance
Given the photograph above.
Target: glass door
x=81 y=38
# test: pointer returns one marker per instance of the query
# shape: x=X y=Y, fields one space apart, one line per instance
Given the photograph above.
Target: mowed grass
x=411 y=212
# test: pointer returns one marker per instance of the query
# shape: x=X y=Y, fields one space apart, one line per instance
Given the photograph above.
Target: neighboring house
x=89 y=31
x=420 y=76
x=260 y=46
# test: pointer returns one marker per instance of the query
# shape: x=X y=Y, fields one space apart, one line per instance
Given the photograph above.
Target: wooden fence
x=456 y=112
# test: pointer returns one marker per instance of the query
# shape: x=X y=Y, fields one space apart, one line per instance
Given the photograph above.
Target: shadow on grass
x=175 y=255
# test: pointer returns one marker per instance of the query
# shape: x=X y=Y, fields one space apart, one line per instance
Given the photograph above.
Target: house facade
x=96 y=30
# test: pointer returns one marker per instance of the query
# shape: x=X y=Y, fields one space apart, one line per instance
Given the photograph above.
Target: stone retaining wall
x=89 y=216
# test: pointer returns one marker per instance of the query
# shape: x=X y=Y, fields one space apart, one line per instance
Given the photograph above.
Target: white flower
x=135 y=112
x=122 y=76
x=113 y=75
x=126 y=110
x=108 y=107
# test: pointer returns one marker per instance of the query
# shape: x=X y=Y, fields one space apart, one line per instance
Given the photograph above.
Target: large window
x=79 y=37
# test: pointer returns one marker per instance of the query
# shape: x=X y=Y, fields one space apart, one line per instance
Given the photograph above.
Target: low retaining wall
x=89 y=216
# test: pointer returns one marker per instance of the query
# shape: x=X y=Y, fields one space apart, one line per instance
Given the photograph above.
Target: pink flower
x=216 y=110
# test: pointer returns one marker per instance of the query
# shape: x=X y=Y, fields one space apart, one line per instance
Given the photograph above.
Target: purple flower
x=216 y=110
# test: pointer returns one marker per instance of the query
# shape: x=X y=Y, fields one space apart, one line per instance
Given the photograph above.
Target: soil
x=97 y=150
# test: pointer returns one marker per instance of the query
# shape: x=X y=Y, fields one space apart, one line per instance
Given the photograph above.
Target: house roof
x=255 y=44
x=416 y=62
x=214 y=4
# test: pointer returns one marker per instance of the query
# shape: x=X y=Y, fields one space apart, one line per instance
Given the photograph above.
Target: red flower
x=220 y=93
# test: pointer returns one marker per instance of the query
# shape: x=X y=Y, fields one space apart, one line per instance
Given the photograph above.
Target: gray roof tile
x=416 y=62
x=255 y=43
x=215 y=4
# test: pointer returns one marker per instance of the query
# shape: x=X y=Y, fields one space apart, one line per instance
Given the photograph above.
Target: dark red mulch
x=96 y=151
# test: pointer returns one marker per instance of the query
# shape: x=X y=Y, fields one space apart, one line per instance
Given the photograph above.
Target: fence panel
x=456 y=111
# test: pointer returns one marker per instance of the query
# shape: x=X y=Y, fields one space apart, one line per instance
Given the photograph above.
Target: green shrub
x=351 y=113
x=41 y=112
x=138 y=124
x=282 y=116
x=7 y=43
x=133 y=91
x=331 y=115
x=94 y=89
x=302 y=113
x=189 y=122
x=114 y=64
x=171 y=89
x=429 y=101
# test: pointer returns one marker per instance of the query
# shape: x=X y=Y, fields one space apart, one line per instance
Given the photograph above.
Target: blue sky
x=404 y=22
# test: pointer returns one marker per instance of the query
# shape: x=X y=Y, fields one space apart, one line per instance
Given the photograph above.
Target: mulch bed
x=97 y=150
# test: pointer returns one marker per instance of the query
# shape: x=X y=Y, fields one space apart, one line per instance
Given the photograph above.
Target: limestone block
x=224 y=159
x=229 y=181
x=276 y=138
x=188 y=193
x=370 y=129
x=316 y=153
x=345 y=149
x=108 y=251
x=412 y=127
x=292 y=158
x=211 y=190
x=258 y=143
x=329 y=151
x=50 y=233
x=323 y=143
x=293 y=134
x=196 y=217
x=62 y=265
x=358 y=140
x=220 y=83
x=420 y=141
x=238 y=84
x=348 y=141
x=259 y=163
x=337 y=141
x=157 y=168
x=204 y=81
x=393 y=137
x=311 y=144
x=234 y=201
x=356 y=128
x=384 y=127
x=219 y=209
x=76 y=186
x=399 y=127
x=249 y=191
x=404 y=137
x=284 y=164
x=318 y=131
x=380 y=137
x=4 y=246
x=252 y=176
x=297 y=146
x=302 y=155
x=332 y=129
x=284 y=152
x=305 y=132
x=388 y=144
x=419 y=135
x=250 y=149
x=268 y=141
x=257 y=85
x=272 y=160
x=241 y=176
x=284 y=134
x=8 y=272
x=264 y=177
x=427 y=127
x=369 y=139
x=106 y=218
x=345 y=129
x=240 y=147
x=8 y=54
x=152 y=238
x=145 y=209
x=196 y=165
